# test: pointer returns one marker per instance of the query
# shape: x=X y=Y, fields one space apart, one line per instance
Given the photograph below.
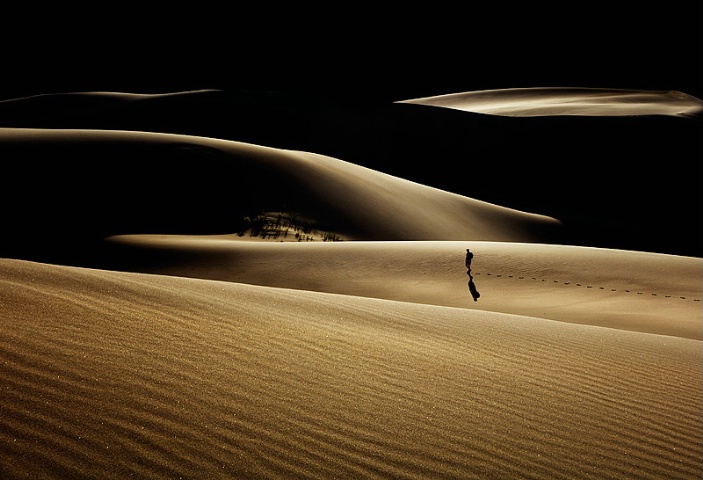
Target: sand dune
x=145 y=332
x=111 y=374
x=95 y=183
x=566 y=283
x=529 y=102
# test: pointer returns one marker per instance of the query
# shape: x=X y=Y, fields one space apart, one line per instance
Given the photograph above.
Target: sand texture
x=176 y=303
x=115 y=374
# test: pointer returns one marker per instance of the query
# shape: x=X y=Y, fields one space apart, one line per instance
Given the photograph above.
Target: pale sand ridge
x=529 y=102
x=96 y=98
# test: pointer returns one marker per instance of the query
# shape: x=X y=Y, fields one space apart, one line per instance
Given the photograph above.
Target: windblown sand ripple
x=110 y=375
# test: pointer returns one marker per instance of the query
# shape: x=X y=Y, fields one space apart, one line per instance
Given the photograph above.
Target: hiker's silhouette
x=472 y=286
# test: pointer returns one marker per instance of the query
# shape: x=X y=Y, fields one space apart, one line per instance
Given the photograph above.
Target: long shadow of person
x=472 y=289
x=472 y=286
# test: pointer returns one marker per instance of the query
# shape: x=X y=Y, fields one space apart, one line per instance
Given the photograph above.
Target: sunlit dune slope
x=114 y=375
x=69 y=184
x=638 y=291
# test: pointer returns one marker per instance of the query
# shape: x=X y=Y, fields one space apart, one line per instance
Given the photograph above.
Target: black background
x=362 y=54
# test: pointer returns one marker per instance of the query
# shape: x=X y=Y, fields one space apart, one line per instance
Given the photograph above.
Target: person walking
x=469 y=257
x=472 y=286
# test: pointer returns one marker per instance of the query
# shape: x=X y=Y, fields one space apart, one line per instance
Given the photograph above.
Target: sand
x=558 y=282
x=159 y=353
x=535 y=102
x=111 y=374
x=152 y=176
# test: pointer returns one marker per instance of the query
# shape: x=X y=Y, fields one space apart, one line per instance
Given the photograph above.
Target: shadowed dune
x=613 y=180
x=72 y=185
x=110 y=374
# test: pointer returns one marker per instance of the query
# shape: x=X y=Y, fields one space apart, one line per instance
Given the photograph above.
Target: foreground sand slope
x=110 y=375
x=640 y=291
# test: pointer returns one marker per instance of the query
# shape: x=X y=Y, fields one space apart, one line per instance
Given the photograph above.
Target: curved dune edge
x=534 y=102
x=110 y=374
x=96 y=96
x=639 y=291
x=371 y=205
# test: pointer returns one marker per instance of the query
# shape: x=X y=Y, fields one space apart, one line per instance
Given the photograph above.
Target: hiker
x=472 y=286
x=469 y=257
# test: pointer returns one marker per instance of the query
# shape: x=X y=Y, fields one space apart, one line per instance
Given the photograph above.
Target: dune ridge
x=111 y=374
x=50 y=107
x=548 y=101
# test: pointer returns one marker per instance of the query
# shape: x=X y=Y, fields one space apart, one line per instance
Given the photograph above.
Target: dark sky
x=388 y=55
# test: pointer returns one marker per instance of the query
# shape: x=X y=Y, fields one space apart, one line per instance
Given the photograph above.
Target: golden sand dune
x=531 y=102
x=567 y=283
x=111 y=375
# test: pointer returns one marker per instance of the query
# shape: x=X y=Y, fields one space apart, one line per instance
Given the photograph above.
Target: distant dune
x=535 y=102
x=92 y=183
x=235 y=285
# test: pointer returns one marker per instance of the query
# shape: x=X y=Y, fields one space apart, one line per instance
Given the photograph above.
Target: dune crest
x=534 y=102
